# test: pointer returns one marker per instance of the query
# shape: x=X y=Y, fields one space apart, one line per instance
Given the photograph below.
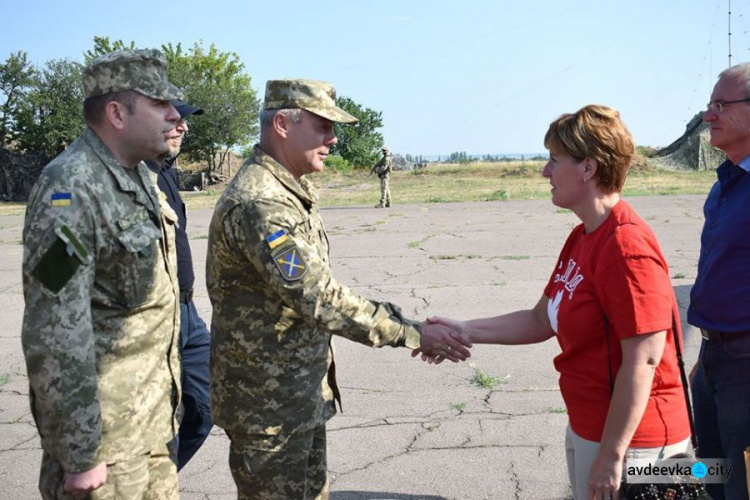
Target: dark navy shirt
x=167 y=179
x=720 y=298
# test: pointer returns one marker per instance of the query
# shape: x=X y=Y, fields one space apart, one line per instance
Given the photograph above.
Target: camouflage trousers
x=281 y=467
x=152 y=476
x=385 y=193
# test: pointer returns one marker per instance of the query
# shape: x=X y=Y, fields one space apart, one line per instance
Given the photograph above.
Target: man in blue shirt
x=720 y=298
x=195 y=340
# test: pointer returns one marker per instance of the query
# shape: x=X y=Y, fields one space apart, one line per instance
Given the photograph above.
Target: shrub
x=338 y=163
x=499 y=195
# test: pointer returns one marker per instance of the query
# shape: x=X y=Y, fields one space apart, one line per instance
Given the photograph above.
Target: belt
x=186 y=296
x=720 y=336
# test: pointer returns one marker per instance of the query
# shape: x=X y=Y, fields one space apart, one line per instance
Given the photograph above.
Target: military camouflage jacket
x=276 y=304
x=101 y=324
x=384 y=166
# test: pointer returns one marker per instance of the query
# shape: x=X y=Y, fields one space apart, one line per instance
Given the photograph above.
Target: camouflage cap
x=312 y=95
x=144 y=71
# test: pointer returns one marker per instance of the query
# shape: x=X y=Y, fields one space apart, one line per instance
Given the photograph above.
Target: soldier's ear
x=281 y=124
x=115 y=113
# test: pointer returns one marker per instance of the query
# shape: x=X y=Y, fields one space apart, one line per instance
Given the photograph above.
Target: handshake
x=442 y=339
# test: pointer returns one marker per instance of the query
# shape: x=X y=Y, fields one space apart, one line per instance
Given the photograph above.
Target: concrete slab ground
x=409 y=430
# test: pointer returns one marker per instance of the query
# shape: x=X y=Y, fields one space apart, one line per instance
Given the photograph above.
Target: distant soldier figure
x=383 y=168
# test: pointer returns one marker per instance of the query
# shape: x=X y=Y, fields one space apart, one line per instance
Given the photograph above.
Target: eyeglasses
x=718 y=106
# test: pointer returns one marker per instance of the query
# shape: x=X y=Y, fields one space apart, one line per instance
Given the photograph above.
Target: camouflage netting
x=693 y=150
x=19 y=172
x=189 y=181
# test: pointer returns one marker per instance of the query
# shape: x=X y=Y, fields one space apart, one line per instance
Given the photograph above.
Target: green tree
x=16 y=77
x=459 y=157
x=359 y=144
x=215 y=81
x=103 y=45
x=51 y=114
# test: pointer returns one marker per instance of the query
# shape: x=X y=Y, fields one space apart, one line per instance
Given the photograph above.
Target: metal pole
x=729 y=21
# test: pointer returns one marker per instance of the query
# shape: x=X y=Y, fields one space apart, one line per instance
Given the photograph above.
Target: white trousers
x=581 y=453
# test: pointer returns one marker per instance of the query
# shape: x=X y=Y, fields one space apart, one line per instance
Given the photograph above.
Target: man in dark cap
x=277 y=304
x=195 y=340
x=101 y=324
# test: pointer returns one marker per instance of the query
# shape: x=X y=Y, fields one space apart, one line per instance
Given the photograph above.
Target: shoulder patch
x=276 y=239
x=291 y=264
x=61 y=199
x=73 y=244
x=61 y=260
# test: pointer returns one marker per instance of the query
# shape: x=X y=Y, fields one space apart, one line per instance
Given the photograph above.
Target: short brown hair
x=93 y=107
x=595 y=132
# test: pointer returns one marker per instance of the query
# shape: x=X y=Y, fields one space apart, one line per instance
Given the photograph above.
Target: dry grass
x=195 y=200
x=666 y=182
x=489 y=182
x=12 y=208
x=454 y=183
x=437 y=184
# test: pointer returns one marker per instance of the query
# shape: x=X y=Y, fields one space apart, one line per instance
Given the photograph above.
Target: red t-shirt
x=617 y=271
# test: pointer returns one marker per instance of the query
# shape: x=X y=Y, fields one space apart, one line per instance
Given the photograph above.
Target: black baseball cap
x=186 y=109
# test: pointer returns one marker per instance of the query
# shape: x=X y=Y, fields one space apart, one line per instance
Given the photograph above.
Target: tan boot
x=379 y=205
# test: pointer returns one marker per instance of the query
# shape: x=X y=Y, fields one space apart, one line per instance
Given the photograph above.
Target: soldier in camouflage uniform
x=383 y=168
x=101 y=324
x=276 y=304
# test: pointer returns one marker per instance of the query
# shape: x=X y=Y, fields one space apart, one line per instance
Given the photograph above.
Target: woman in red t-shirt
x=610 y=303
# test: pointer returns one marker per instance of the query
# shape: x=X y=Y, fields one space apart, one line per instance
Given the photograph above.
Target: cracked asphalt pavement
x=409 y=430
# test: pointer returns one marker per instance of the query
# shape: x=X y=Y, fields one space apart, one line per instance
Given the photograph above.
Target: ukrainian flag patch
x=291 y=264
x=277 y=239
x=61 y=199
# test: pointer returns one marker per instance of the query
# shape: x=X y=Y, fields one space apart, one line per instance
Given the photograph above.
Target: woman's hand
x=453 y=324
x=605 y=478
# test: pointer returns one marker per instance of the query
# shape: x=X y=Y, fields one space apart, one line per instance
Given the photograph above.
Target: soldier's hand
x=440 y=342
x=86 y=481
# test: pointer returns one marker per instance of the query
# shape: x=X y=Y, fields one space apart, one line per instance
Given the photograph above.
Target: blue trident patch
x=290 y=264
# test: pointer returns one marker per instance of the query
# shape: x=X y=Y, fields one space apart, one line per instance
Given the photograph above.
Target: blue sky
x=476 y=76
